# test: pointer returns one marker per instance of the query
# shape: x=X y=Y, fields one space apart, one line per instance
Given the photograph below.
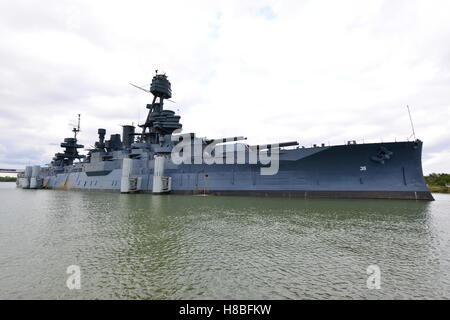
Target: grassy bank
x=438 y=182
x=439 y=189
x=7 y=179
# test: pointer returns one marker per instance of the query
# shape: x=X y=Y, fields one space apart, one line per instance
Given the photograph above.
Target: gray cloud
x=317 y=71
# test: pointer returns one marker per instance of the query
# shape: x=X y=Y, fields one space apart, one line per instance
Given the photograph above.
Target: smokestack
x=115 y=143
x=101 y=136
x=127 y=136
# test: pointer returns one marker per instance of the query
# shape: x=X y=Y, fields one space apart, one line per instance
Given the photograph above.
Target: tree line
x=8 y=179
x=438 y=179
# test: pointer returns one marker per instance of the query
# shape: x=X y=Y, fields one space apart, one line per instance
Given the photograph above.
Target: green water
x=194 y=247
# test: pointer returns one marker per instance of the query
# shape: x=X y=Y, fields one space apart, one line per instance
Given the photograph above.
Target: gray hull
x=347 y=171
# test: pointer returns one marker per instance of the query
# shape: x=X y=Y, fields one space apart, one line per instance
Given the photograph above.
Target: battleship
x=144 y=162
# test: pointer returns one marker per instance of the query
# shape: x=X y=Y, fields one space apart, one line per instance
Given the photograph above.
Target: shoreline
x=439 y=189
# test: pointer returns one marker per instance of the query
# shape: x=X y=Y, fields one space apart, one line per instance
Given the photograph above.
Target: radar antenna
x=77 y=129
x=412 y=124
x=148 y=91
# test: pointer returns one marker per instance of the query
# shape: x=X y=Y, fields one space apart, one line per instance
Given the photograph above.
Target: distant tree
x=7 y=179
x=438 y=179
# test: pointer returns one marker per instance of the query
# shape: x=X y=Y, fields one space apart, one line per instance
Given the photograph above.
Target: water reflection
x=160 y=247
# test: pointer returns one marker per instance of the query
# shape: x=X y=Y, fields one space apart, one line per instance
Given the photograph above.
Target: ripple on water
x=182 y=247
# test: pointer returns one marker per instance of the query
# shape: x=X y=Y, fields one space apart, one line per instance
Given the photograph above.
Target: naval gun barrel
x=230 y=139
x=276 y=145
x=288 y=144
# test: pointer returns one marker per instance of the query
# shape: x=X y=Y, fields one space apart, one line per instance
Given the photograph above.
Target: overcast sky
x=312 y=71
